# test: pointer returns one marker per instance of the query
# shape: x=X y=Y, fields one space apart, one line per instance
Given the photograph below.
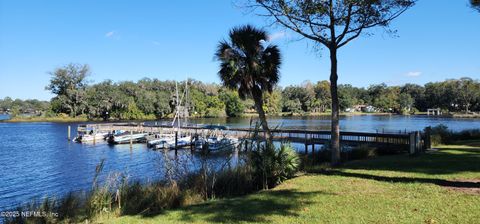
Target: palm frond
x=245 y=63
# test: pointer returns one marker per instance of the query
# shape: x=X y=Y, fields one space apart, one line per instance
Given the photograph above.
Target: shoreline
x=47 y=119
x=246 y=115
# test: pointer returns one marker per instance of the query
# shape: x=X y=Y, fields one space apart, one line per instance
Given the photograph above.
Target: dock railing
x=415 y=141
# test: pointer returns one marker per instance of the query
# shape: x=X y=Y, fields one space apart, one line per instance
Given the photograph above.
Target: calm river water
x=37 y=160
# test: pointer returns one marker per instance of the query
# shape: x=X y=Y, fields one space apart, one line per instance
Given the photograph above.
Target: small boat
x=182 y=142
x=90 y=135
x=216 y=143
x=164 y=143
x=127 y=137
x=158 y=139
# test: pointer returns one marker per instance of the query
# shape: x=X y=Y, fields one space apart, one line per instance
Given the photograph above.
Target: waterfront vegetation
x=150 y=99
x=436 y=187
x=372 y=178
x=263 y=166
x=440 y=134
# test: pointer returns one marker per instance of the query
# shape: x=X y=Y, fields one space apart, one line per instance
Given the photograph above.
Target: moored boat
x=126 y=137
x=216 y=143
x=157 y=139
x=164 y=143
x=182 y=142
x=91 y=137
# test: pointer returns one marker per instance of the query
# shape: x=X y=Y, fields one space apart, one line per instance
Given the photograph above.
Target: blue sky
x=129 y=40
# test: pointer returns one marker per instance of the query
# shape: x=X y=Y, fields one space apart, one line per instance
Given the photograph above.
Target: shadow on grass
x=472 y=143
x=445 y=161
x=439 y=182
x=249 y=209
x=448 y=161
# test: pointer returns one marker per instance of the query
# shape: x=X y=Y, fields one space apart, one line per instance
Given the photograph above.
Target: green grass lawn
x=431 y=188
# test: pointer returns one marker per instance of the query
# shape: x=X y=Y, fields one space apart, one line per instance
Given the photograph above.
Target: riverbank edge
x=83 y=119
x=347 y=175
x=247 y=115
x=47 y=119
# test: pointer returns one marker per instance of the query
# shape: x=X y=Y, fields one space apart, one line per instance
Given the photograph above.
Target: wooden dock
x=413 y=141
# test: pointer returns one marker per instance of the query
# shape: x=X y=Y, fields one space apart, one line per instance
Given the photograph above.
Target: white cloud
x=413 y=74
x=277 y=36
x=110 y=34
x=156 y=43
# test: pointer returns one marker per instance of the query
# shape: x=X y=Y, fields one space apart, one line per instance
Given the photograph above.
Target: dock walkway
x=413 y=141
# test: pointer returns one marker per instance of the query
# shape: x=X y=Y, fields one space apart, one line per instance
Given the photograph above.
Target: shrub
x=150 y=198
x=361 y=152
x=271 y=165
x=441 y=135
x=466 y=135
x=69 y=206
x=99 y=201
x=235 y=182
x=287 y=162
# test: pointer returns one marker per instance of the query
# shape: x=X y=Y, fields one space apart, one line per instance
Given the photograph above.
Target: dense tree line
x=153 y=98
x=144 y=99
x=453 y=95
x=18 y=106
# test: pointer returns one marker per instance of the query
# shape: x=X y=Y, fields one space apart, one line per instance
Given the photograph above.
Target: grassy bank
x=437 y=187
x=245 y=115
x=48 y=119
x=464 y=115
x=85 y=119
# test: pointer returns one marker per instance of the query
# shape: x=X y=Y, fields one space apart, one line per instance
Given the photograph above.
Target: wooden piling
x=418 y=142
x=191 y=142
x=69 y=131
x=306 y=145
x=412 y=143
x=131 y=139
x=176 y=142
x=313 y=152
x=428 y=137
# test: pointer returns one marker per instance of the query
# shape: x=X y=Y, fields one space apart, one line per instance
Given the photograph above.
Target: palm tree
x=249 y=65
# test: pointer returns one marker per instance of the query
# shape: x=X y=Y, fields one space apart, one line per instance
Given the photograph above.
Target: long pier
x=413 y=141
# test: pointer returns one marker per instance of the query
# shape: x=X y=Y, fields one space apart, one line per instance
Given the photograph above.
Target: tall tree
x=405 y=102
x=322 y=93
x=467 y=91
x=475 y=4
x=333 y=24
x=417 y=92
x=69 y=84
x=233 y=105
x=249 y=65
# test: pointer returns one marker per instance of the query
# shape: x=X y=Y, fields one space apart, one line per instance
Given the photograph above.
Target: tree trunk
x=74 y=110
x=258 y=98
x=335 y=128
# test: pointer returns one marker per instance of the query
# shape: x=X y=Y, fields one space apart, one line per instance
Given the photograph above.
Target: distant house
x=369 y=109
x=362 y=108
